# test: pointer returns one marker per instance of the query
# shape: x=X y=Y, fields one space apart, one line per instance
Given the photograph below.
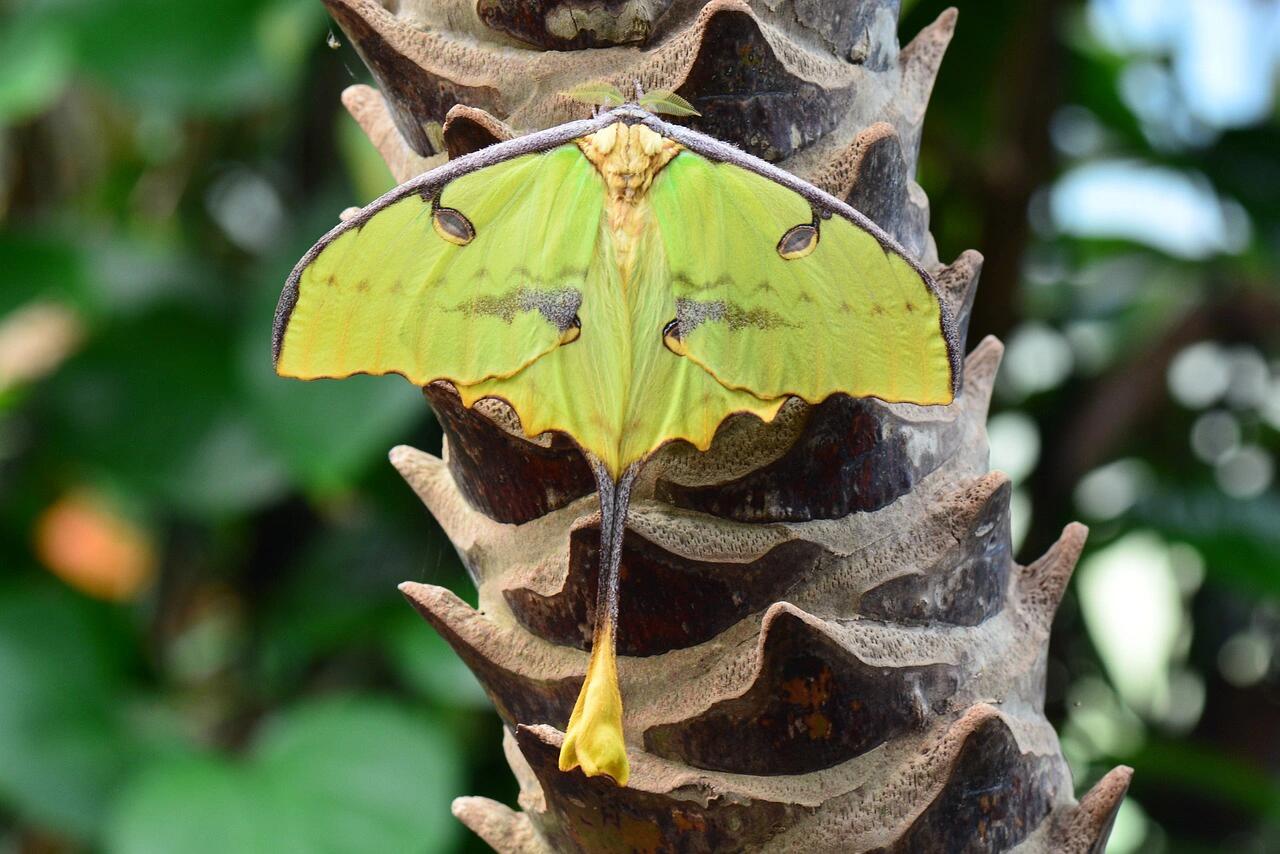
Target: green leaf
x=332 y=775
x=66 y=738
x=429 y=665
x=40 y=266
x=600 y=94
x=1207 y=773
x=134 y=405
x=668 y=103
x=213 y=57
x=35 y=67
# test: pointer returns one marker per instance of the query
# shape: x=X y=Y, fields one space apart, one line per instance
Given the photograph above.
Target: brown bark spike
x=417 y=100
x=920 y=61
x=592 y=814
x=367 y=106
x=517 y=694
x=499 y=825
x=958 y=284
x=996 y=788
x=667 y=601
x=467 y=129
x=738 y=81
x=966 y=586
x=1042 y=584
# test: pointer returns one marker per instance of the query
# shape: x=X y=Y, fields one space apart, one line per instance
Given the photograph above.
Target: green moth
x=627 y=282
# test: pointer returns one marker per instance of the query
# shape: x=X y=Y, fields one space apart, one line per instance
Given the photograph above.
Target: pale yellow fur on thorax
x=627 y=157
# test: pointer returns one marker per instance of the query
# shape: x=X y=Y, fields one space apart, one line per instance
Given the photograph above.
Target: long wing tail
x=593 y=740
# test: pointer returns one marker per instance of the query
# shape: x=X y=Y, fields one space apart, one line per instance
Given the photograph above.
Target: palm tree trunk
x=826 y=644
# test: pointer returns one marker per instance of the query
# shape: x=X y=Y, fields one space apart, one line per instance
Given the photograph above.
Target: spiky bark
x=827 y=645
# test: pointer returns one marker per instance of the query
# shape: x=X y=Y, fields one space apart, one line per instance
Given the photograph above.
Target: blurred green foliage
x=162 y=166
x=253 y=681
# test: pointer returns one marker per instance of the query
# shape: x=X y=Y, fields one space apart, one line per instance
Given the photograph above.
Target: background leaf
x=334 y=775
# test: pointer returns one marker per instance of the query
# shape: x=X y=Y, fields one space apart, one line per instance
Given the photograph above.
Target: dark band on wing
x=558 y=307
x=690 y=314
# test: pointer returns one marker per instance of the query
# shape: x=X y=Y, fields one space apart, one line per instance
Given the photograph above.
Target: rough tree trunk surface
x=826 y=643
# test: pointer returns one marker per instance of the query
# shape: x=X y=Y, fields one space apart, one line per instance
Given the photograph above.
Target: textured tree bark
x=826 y=643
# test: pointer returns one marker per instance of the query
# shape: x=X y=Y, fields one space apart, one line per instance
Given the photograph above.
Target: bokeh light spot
x=1246 y=473
x=1215 y=435
x=1199 y=375
x=1245 y=659
x=1111 y=490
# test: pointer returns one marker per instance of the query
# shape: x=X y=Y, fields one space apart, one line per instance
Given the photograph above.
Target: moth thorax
x=627 y=157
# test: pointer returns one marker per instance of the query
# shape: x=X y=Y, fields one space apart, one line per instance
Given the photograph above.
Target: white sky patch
x=1141 y=26
x=1177 y=213
x=1014 y=440
x=1132 y=606
x=1224 y=52
x=1019 y=518
x=1225 y=59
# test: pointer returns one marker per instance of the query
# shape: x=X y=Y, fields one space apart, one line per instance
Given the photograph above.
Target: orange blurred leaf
x=97 y=551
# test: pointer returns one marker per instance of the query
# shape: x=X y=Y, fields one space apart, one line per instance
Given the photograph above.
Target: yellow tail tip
x=593 y=740
x=598 y=755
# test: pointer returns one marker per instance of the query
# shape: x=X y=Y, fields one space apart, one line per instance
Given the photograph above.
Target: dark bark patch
x=851 y=457
x=881 y=189
x=666 y=601
x=505 y=477
x=994 y=798
x=964 y=587
x=591 y=814
x=814 y=706
x=845 y=28
x=573 y=24
x=747 y=97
